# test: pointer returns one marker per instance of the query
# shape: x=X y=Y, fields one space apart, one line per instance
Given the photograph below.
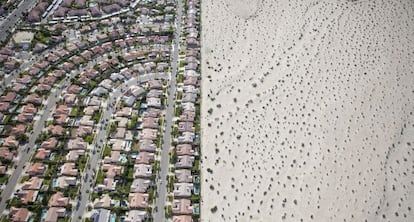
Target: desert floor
x=307 y=111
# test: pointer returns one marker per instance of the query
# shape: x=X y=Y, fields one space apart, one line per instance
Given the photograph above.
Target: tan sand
x=308 y=110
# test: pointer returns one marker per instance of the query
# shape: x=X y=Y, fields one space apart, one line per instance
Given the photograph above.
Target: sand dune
x=308 y=110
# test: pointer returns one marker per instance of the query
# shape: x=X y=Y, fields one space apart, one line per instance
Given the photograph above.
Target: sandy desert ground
x=307 y=110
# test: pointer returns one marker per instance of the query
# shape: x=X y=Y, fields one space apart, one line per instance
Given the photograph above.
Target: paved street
x=100 y=140
x=14 y=18
x=26 y=154
x=159 y=214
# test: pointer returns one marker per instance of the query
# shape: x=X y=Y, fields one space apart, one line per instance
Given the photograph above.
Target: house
x=47 y=80
x=116 y=77
x=77 y=12
x=24 y=79
x=75 y=89
x=56 y=130
x=186 y=137
x=136 y=216
x=62 y=52
x=155 y=84
x=124 y=112
x=36 y=169
x=122 y=122
x=49 y=144
x=190 y=80
x=100 y=215
x=43 y=88
x=184 y=149
x=69 y=99
x=77 y=143
x=97 y=50
x=86 y=121
x=191 y=73
x=11 y=142
x=184 y=162
x=190 y=89
x=182 y=206
x=145 y=158
x=39 y=47
x=5 y=154
x=182 y=189
x=4 y=106
x=118 y=134
x=189 y=97
x=99 y=91
x=83 y=131
x=119 y=145
x=90 y=110
x=183 y=176
x=54 y=213
x=19 y=129
x=109 y=184
x=157 y=93
x=9 y=97
x=142 y=170
x=73 y=155
x=29 y=108
x=58 y=200
x=138 y=200
x=103 y=202
x=19 y=214
x=147 y=145
x=114 y=158
x=27 y=196
x=182 y=218
x=106 y=83
x=149 y=122
x=128 y=100
x=3 y=169
x=109 y=9
x=77 y=60
x=120 y=43
x=42 y=154
x=140 y=185
x=68 y=66
x=35 y=99
x=87 y=55
x=148 y=134
x=136 y=91
x=185 y=127
x=112 y=171
x=64 y=181
x=60 y=118
x=62 y=109
x=95 y=11
x=154 y=102
x=69 y=169
x=34 y=183
x=58 y=73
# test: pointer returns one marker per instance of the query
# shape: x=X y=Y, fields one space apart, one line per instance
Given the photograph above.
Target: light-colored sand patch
x=245 y=9
x=307 y=111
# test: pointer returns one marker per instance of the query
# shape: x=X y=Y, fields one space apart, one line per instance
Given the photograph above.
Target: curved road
x=100 y=140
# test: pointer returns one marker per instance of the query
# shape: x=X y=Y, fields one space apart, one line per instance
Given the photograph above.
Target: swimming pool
x=196 y=209
x=54 y=182
x=44 y=212
x=112 y=218
x=123 y=158
x=196 y=189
